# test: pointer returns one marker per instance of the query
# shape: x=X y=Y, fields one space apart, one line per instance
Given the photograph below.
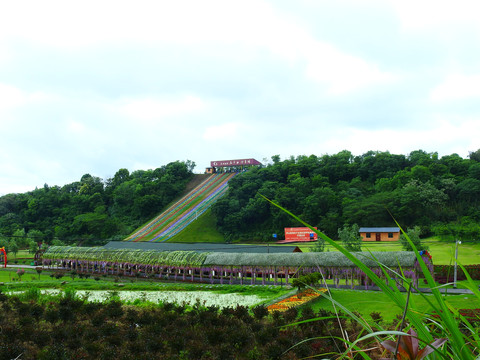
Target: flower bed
x=205 y=298
x=471 y=315
x=296 y=300
x=444 y=271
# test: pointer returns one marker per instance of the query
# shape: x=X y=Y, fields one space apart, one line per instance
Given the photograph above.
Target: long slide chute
x=183 y=212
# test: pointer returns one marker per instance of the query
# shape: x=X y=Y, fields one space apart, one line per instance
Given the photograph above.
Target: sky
x=96 y=86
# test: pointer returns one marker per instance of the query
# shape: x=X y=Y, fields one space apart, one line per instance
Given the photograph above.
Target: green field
x=19 y=255
x=366 y=302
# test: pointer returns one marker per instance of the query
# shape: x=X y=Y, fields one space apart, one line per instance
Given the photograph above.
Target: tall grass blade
x=458 y=347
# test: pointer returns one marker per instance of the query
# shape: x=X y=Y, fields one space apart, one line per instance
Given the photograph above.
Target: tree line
x=90 y=211
x=438 y=195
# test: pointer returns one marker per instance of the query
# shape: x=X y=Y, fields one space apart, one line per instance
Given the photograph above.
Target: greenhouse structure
x=233 y=268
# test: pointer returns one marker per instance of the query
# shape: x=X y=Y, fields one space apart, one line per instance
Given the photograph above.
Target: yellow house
x=380 y=233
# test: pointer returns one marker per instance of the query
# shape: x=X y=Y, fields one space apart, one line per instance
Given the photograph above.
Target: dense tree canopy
x=441 y=195
x=91 y=208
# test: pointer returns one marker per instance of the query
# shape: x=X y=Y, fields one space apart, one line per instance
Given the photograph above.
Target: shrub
x=32 y=293
x=414 y=237
x=20 y=273
x=260 y=311
x=39 y=270
x=376 y=317
x=290 y=314
x=350 y=237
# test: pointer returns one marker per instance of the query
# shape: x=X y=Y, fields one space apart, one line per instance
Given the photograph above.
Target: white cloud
x=96 y=86
x=342 y=72
x=457 y=87
x=448 y=136
x=227 y=132
x=251 y=25
x=75 y=127
x=12 y=97
x=67 y=25
x=418 y=15
x=154 y=108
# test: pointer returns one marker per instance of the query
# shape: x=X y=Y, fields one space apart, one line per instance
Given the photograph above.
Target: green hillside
x=204 y=229
x=174 y=219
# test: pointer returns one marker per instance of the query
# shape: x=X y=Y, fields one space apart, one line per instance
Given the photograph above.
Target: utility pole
x=457 y=242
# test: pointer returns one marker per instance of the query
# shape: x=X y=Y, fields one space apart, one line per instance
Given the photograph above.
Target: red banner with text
x=300 y=234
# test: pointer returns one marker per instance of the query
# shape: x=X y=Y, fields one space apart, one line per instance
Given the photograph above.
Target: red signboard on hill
x=299 y=234
x=240 y=162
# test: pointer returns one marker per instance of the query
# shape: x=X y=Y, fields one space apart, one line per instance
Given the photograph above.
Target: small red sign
x=300 y=234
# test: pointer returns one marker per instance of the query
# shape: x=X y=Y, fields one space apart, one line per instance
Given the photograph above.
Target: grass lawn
x=201 y=230
x=366 y=302
x=20 y=256
x=10 y=275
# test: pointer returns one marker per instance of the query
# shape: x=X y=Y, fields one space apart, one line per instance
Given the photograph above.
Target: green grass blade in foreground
x=472 y=287
x=470 y=284
x=350 y=315
x=457 y=341
x=311 y=339
x=353 y=345
x=395 y=295
x=354 y=348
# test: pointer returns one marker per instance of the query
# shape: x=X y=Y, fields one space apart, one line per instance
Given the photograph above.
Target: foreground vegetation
x=257 y=334
x=441 y=332
x=67 y=326
x=70 y=328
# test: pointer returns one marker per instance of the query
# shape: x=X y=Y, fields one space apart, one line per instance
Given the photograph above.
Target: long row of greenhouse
x=223 y=267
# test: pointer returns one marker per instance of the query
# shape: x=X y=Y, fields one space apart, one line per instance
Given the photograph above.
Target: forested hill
x=92 y=209
x=442 y=195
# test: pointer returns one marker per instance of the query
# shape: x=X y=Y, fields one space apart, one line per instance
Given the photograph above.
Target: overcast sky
x=95 y=86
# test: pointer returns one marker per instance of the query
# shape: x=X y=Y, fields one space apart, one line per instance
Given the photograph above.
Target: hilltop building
x=231 y=165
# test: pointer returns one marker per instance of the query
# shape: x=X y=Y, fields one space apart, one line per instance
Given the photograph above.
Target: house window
x=390 y=235
x=368 y=235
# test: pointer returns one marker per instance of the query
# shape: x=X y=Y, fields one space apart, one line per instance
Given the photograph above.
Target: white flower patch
x=205 y=298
